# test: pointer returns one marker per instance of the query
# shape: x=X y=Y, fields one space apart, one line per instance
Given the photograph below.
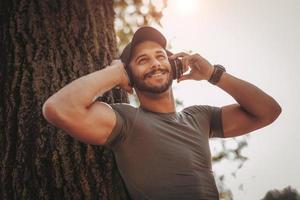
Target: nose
x=155 y=63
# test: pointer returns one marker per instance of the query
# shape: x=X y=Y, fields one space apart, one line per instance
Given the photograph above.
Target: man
x=161 y=153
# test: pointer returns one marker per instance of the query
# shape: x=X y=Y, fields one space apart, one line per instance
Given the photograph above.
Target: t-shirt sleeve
x=208 y=116
x=119 y=131
x=216 y=127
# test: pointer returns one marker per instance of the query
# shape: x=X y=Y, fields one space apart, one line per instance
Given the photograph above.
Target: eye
x=161 y=57
x=142 y=61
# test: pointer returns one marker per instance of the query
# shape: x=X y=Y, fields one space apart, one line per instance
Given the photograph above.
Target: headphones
x=176 y=66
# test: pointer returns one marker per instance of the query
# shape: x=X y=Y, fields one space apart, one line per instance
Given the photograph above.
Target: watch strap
x=216 y=75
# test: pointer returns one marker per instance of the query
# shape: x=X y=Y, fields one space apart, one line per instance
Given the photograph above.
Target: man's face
x=150 y=68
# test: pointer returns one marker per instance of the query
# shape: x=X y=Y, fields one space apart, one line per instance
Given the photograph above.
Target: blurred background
x=257 y=41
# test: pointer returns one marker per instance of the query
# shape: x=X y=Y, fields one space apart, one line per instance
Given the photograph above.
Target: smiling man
x=161 y=153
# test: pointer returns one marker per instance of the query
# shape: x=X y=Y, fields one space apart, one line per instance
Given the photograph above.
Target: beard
x=140 y=84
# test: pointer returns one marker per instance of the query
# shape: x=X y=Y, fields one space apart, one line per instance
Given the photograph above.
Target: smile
x=158 y=74
x=155 y=73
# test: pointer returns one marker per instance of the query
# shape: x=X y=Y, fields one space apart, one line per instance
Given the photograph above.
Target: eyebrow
x=158 y=51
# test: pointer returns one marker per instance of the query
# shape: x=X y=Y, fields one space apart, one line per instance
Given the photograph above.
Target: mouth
x=155 y=73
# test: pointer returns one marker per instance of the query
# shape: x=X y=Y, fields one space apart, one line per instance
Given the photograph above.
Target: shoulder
x=122 y=106
x=196 y=109
x=202 y=111
x=209 y=116
x=125 y=115
x=124 y=109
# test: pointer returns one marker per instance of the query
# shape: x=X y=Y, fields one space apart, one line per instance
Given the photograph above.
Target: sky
x=257 y=41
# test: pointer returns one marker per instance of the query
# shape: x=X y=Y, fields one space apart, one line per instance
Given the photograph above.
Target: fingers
x=195 y=62
x=185 y=64
x=184 y=77
x=129 y=90
x=177 y=55
x=184 y=59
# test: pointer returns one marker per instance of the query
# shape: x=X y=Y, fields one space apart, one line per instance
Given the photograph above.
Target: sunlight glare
x=186 y=6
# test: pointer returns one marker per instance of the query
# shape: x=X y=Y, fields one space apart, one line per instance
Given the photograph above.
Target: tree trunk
x=45 y=45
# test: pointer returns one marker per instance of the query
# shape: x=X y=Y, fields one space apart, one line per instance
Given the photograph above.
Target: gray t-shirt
x=166 y=155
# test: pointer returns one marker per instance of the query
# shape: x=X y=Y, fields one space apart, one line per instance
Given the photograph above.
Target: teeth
x=158 y=74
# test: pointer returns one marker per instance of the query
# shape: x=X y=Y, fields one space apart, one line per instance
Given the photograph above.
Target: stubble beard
x=140 y=84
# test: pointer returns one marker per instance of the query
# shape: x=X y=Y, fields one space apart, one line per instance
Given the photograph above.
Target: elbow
x=274 y=113
x=49 y=111
x=61 y=115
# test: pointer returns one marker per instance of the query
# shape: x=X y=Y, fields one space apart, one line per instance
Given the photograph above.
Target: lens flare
x=186 y=6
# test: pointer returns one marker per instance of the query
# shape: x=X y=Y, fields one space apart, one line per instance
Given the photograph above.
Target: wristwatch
x=217 y=73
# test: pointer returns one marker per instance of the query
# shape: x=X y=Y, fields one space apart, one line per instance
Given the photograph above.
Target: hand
x=124 y=79
x=201 y=69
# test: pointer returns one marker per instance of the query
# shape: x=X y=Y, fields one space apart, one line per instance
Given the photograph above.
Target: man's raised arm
x=74 y=109
x=254 y=109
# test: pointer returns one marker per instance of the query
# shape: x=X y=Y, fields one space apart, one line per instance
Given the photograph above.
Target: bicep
x=94 y=125
x=236 y=121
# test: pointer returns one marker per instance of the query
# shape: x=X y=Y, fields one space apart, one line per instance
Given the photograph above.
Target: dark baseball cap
x=145 y=33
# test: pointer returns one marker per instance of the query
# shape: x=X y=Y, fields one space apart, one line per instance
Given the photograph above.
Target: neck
x=161 y=103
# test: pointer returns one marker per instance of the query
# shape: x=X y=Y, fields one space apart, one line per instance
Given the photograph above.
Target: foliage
x=228 y=150
x=287 y=193
x=131 y=14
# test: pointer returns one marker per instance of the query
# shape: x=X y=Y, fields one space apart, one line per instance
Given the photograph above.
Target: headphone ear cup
x=173 y=66
x=129 y=73
x=180 y=68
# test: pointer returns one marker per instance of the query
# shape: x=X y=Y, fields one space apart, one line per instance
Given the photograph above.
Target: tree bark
x=45 y=45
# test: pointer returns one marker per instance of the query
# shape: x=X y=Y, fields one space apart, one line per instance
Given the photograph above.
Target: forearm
x=251 y=99
x=81 y=93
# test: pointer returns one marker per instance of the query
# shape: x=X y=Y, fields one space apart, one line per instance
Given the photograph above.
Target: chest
x=170 y=141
